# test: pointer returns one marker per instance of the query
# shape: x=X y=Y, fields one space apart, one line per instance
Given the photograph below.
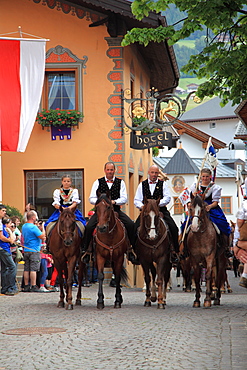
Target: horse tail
x=124 y=276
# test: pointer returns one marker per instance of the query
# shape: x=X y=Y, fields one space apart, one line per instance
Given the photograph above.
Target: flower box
x=58 y=117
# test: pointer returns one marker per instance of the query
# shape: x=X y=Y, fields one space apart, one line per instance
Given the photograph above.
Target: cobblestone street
x=133 y=337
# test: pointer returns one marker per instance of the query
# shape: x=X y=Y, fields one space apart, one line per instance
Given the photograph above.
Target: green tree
x=223 y=59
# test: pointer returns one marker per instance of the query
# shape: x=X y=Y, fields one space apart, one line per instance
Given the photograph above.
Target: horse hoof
x=161 y=305
x=222 y=291
x=207 y=304
x=153 y=299
x=60 y=304
x=217 y=302
x=117 y=305
x=147 y=304
x=187 y=290
x=229 y=290
x=69 y=307
x=196 y=304
x=100 y=306
x=78 y=302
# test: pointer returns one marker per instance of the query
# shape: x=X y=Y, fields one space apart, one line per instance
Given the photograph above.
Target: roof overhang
x=241 y=112
x=159 y=57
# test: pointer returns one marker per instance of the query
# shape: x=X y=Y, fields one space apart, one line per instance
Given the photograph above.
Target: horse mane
x=150 y=205
x=103 y=196
x=66 y=213
x=199 y=201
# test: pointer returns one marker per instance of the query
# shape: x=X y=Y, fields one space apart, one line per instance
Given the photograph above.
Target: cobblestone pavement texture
x=133 y=337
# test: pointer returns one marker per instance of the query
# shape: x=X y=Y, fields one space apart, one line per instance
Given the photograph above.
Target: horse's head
x=67 y=225
x=104 y=210
x=198 y=212
x=150 y=218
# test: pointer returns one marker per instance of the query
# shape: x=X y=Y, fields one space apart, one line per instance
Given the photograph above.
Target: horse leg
x=69 y=280
x=160 y=292
x=147 y=278
x=209 y=272
x=61 y=285
x=167 y=275
x=220 y=275
x=197 y=276
x=153 y=287
x=100 y=300
x=80 y=278
x=229 y=289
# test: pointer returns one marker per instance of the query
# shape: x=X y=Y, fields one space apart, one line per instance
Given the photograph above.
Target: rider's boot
x=132 y=257
x=183 y=252
x=226 y=243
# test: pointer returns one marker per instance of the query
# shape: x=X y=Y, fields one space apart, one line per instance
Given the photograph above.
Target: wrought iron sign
x=150 y=115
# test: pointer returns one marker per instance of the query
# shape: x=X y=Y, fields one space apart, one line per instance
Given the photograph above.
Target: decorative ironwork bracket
x=150 y=113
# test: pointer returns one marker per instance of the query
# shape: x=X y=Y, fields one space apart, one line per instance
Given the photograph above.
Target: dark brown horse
x=154 y=252
x=111 y=244
x=65 y=247
x=203 y=252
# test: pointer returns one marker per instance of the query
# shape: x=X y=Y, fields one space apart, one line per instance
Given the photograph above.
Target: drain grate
x=33 y=331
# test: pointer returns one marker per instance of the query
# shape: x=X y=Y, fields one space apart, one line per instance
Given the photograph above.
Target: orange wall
x=90 y=146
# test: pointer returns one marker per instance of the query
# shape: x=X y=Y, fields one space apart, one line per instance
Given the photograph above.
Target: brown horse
x=203 y=251
x=153 y=252
x=65 y=247
x=111 y=244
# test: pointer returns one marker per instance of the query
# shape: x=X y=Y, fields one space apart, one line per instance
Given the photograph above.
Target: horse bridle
x=159 y=242
x=108 y=221
x=61 y=232
x=200 y=219
x=146 y=227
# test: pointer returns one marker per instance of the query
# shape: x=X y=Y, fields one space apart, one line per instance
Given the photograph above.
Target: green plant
x=155 y=151
x=12 y=211
x=58 y=117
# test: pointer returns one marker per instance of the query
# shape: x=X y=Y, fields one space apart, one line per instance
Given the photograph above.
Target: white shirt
x=123 y=192
x=242 y=211
x=139 y=195
x=215 y=190
x=74 y=198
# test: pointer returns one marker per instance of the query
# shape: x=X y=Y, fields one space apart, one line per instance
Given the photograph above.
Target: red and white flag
x=184 y=197
x=22 y=68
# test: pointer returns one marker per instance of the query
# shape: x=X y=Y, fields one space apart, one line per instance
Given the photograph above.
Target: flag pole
x=203 y=162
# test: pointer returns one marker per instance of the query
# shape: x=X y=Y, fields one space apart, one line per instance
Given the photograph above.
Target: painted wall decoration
x=178 y=183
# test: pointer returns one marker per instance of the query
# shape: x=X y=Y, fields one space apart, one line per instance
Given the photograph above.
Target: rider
x=240 y=241
x=212 y=194
x=66 y=197
x=118 y=193
x=153 y=188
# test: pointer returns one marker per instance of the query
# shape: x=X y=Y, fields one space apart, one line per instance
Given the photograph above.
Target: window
x=178 y=207
x=61 y=90
x=40 y=186
x=226 y=205
x=63 y=80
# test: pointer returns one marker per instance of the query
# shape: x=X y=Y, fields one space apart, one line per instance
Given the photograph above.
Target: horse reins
x=112 y=247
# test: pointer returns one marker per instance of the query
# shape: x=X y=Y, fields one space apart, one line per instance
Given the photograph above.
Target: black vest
x=158 y=192
x=114 y=191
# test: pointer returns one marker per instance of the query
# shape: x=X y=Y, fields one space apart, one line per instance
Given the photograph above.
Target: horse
x=153 y=252
x=170 y=107
x=203 y=252
x=111 y=242
x=64 y=245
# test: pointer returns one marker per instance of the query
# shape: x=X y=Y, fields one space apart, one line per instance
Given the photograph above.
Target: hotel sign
x=160 y=138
